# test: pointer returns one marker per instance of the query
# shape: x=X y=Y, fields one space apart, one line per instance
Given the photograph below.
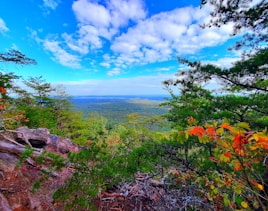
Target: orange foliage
x=238 y=145
x=198 y=131
x=257 y=185
x=238 y=149
x=210 y=131
x=237 y=166
x=226 y=126
x=263 y=141
x=3 y=90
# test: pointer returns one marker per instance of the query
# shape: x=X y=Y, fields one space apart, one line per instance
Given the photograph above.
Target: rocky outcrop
x=17 y=179
x=41 y=138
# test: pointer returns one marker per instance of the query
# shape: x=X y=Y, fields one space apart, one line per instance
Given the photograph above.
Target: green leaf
x=243 y=125
x=226 y=199
x=186 y=135
x=220 y=131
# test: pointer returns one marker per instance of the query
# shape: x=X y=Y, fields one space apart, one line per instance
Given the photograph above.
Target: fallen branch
x=16 y=149
x=23 y=137
x=11 y=140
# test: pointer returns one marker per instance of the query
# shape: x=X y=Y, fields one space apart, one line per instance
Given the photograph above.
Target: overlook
x=133 y=105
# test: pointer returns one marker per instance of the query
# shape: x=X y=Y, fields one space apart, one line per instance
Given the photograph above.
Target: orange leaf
x=211 y=132
x=237 y=166
x=240 y=152
x=257 y=185
x=198 y=131
x=238 y=144
x=3 y=90
x=227 y=181
x=263 y=141
x=226 y=126
x=260 y=187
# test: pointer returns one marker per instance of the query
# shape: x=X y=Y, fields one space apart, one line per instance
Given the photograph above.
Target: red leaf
x=211 y=132
x=198 y=131
x=227 y=154
x=238 y=144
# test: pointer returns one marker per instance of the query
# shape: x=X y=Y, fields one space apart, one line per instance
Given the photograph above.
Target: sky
x=110 y=47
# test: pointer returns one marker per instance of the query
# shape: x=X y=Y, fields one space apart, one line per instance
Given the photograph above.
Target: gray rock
x=41 y=138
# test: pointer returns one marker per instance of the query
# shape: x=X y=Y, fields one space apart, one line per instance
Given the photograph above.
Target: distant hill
x=115 y=108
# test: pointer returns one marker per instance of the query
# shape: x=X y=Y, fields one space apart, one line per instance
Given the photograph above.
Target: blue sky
x=111 y=47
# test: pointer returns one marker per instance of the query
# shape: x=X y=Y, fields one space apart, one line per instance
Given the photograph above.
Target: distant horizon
x=120 y=95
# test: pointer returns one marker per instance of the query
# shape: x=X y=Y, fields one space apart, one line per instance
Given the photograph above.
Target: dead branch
x=15 y=148
x=23 y=137
x=10 y=140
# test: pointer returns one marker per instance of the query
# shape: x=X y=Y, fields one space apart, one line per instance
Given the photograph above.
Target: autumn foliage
x=234 y=178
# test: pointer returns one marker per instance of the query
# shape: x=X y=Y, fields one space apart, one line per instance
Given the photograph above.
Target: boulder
x=17 y=178
x=41 y=138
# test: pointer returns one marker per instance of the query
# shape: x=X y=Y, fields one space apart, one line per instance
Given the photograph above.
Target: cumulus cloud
x=115 y=13
x=91 y=13
x=97 y=21
x=167 y=34
x=120 y=34
x=60 y=55
x=3 y=27
x=85 y=39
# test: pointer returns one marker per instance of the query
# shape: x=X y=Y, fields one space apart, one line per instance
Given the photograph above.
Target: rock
x=41 y=138
x=8 y=163
x=17 y=179
x=37 y=137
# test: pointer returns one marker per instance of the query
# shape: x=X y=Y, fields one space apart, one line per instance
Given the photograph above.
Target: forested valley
x=211 y=154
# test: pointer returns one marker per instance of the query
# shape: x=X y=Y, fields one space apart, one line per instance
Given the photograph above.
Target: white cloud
x=114 y=71
x=87 y=36
x=3 y=27
x=122 y=11
x=167 y=34
x=226 y=62
x=91 y=13
x=60 y=55
x=51 y=4
x=123 y=86
x=105 y=64
x=97 y=21
x=115 y=13
x=158 y=38
x=165 y=69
